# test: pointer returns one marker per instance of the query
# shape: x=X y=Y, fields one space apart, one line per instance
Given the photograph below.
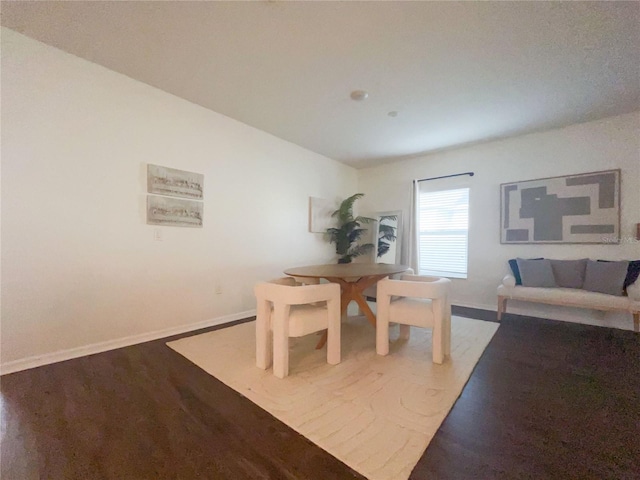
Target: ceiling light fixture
x=359 y=95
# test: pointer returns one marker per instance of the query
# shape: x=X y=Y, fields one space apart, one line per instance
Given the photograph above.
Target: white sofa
x=571 y=297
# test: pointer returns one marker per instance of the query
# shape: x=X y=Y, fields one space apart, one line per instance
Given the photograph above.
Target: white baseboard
x=61 y=355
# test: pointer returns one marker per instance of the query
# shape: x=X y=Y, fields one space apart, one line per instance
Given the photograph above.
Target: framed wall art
x=582 y=208
x=320 y=210
x=174 y=183
x=173 y=212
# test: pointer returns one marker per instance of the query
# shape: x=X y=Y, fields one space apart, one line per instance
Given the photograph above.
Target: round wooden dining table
x=353 y=278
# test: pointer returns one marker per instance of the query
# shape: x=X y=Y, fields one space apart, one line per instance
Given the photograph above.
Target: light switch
x=157 y=234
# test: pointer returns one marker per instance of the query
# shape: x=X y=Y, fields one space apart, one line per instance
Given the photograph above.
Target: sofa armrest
x=633 y=291
x=509 y=281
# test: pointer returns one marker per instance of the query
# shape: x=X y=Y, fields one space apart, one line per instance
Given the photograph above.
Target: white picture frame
x=581 y=208
x=174 y=212
x=174 y=183
x=320 y=210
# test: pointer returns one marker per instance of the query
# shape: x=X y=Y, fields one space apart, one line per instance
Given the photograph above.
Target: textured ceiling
x=455 y=72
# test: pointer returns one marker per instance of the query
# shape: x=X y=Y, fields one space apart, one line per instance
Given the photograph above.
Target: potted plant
x=349 y=231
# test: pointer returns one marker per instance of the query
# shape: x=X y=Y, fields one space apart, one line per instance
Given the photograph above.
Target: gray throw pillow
x=569 y=273
x=605 y=277
x=536 y=273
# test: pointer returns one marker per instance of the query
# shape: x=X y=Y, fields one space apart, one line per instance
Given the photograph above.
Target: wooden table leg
x=353 y=291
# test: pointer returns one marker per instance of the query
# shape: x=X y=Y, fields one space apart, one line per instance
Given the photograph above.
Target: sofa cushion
x=633 y=272
x=605 y=277
x=569 y=273
x=633 y=292
x=536 y=273
x=513 y=263
x=570 y=297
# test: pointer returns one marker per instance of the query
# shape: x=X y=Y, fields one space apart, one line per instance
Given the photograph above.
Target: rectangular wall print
x=582 y=208
x=320 y=210
x=173 y=182
x=173 y=212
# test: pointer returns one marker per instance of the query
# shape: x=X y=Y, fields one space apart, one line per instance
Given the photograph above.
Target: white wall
x=602 y=145
x=79 y=264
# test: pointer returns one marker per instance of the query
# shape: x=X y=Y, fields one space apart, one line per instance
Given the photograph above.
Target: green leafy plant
x=349 y=231
x=386 y=234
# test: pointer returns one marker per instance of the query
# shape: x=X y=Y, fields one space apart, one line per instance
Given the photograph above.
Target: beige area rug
x=376 y=414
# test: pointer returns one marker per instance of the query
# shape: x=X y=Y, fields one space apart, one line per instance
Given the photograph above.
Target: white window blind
x=443 y=219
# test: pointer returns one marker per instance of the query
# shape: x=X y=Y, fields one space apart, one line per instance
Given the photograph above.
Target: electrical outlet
x=218 y=289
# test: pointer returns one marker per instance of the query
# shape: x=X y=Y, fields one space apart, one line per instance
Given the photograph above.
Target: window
x=443 y=228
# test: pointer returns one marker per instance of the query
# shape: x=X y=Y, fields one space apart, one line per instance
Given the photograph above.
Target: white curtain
x=413 y=227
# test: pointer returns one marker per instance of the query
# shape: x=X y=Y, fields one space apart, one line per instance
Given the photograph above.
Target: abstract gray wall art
x=582 y=208
x=174 y=183
x=173 y=212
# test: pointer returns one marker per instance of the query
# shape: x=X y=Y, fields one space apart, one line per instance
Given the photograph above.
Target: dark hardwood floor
x=546 y=400
x=549 y=400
